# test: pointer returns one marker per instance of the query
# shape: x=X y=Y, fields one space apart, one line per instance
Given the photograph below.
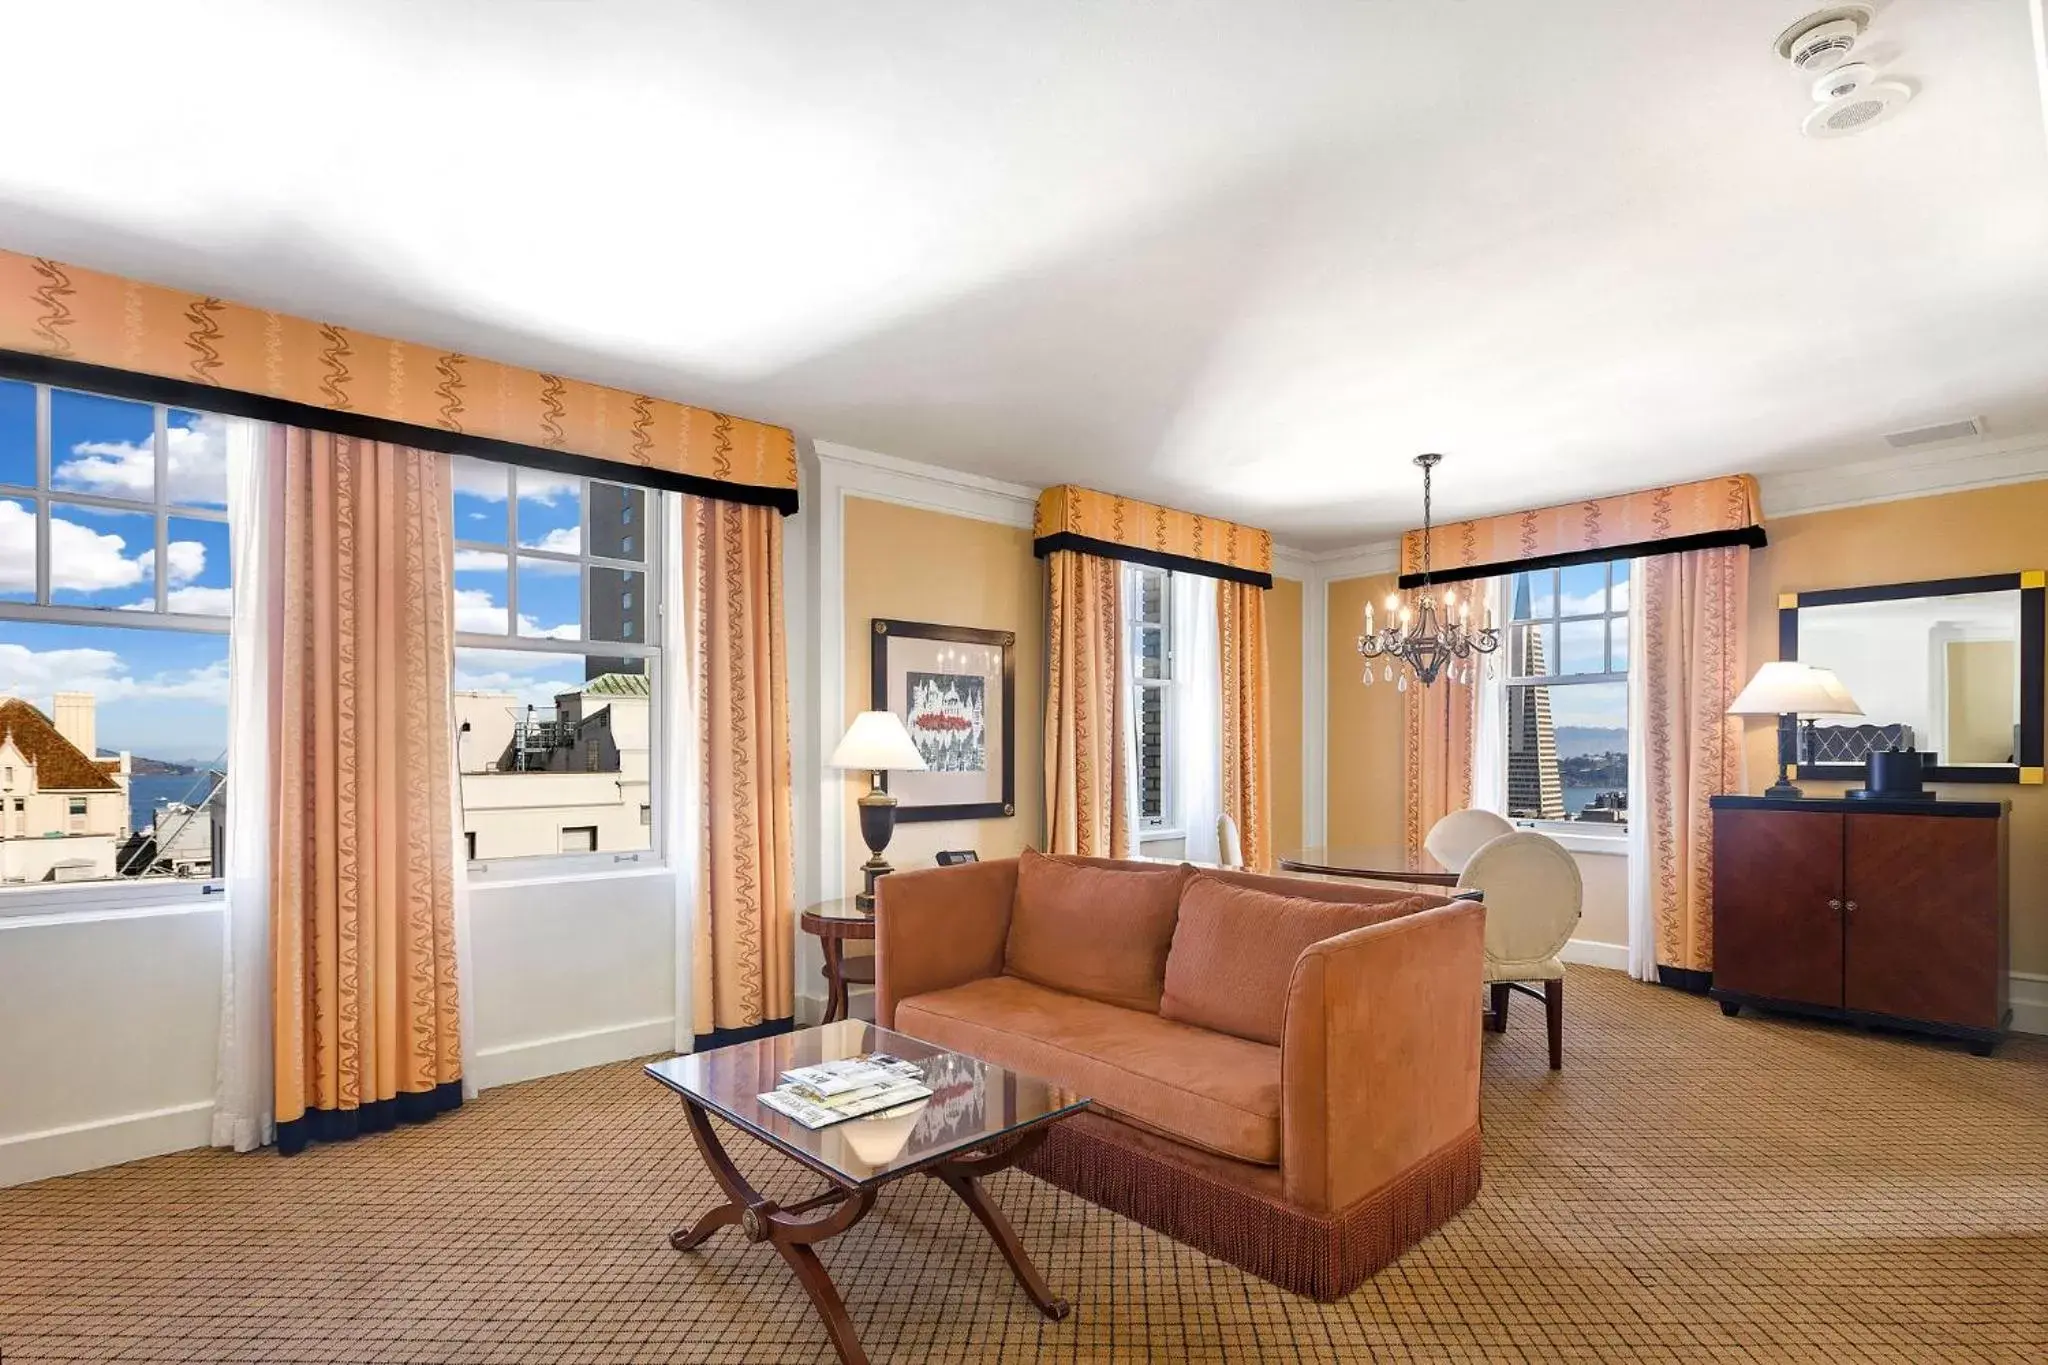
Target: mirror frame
x=2032 y=586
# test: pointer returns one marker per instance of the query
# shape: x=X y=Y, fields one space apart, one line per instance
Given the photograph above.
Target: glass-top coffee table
x=980 y=1119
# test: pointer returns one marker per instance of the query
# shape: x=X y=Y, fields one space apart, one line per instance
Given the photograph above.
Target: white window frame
x=118 y=894
x=1579 y=835
x=1167 y=823
x=547 y=867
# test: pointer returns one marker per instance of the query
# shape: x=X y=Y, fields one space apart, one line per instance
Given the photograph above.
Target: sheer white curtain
x=1490 y=731
x=1642 y=934
x=1197 y=742
x=680 y=773
x=244 y=1107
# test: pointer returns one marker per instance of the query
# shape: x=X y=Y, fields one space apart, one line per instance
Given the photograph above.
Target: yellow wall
x=1981 y=678
x=914 y=565
x=1990 y=530
x=1362 y=762
x=1283 y=645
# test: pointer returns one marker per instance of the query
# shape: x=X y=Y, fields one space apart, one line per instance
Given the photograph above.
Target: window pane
x=1530 y=650
x=482 y=505
x=196 y=445
x=17 y=433
x=550 y=600
x=480 y=592
x=552 y=759
x=550 y=512
x=129 y=724
x=1151 y=652
x=102 y=558
x=618 y=605
x=1151 y=739
x=1582 y=590
x=200 y=575
x=1568 y=752
x=1617 y=598
x=1532 y=595
x=17 y=550
x=1617 y=629
x=102 y=445
x=618 y=521
x=1582 y=646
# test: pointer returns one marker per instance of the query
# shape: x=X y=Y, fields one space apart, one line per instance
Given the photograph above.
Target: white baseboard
x=1587 y=952
x=104 y=1142
x=514 y=1062
x=2029 y=1003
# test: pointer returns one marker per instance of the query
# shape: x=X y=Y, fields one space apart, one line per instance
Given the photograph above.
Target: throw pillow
x=1091 y=930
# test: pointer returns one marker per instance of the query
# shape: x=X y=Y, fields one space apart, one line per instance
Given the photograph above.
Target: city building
x=571 y=778
x=63 y=810
x=1535 y=791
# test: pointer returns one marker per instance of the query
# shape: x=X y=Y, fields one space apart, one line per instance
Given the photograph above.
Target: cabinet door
x=1777 y=898
x=1922 y=940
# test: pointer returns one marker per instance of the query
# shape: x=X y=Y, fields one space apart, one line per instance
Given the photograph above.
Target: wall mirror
x=1951 y=668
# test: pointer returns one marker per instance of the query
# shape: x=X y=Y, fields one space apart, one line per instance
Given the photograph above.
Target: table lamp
x=1788 y=690
x=877 y=742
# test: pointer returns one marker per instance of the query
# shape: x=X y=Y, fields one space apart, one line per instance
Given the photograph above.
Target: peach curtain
x=1086 y=806
x=363 y=963
x=1439 y=724
x=1247 y=718
x=743 y=950
x=1693 y=661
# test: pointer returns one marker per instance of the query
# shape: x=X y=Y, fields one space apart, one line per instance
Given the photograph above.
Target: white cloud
x=482 y=479
x=81 y=558
x=532 y=679
x=477 y=614
x=563 y=540
x=198 y=465
x=35 y=674
x=204 y=601
x=478 y=561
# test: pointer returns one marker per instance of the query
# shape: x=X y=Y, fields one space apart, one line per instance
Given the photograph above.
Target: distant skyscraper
x=616 y=523
x=1534 y=790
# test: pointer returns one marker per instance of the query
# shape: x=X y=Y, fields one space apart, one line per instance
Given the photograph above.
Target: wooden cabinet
x=1889 y=913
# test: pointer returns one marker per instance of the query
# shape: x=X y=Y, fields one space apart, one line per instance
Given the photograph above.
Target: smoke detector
x=1823 y=40
x=1843 y=81
x=1866 y=106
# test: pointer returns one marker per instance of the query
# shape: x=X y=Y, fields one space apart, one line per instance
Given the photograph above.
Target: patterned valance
x=1073 y=518
x=1686 y=516
x=63 y=325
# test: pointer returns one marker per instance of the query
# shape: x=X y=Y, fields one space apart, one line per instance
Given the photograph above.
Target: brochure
x=822 y=1113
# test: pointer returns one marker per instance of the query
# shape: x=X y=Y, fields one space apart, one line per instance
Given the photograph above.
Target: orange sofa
x=1285 y=1072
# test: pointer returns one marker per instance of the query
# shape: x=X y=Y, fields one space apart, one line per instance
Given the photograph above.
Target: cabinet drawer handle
x=1834 y=905
x=1850 y=907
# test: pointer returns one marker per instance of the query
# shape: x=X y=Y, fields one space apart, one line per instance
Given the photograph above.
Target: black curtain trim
x=1686 y=979
x=150 y=388
x=340 y=1125
x=1157 y=559
x=726 y=1037
x=1751 y=536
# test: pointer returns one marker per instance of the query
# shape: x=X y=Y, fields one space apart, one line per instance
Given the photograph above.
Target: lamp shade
x=876 y=741
x=1790 y=687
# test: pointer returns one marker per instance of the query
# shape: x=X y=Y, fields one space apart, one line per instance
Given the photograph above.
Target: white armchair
x=1533 y=901
x=1454 y=839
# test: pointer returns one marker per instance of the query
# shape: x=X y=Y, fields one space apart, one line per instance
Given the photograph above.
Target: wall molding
x=1908 y=474
x=2030 y=1003
x=1590 y=952
x=511 y=1063
x=104 y=1142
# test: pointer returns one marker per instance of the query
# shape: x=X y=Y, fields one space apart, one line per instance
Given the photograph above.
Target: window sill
x=1159 y=836
x=1575 y=838
x=555 y=871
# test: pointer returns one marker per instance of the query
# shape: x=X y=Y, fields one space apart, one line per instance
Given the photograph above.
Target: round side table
x=837 y=923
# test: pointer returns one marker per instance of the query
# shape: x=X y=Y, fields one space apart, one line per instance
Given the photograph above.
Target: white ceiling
x=1244 y=258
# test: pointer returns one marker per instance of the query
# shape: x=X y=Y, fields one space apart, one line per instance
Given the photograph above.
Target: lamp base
x=1783 y=791
x=877 y=823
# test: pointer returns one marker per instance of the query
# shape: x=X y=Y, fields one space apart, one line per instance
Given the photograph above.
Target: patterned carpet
x=1691 y=1188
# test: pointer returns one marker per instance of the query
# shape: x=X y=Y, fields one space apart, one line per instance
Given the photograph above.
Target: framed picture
x=955 y=690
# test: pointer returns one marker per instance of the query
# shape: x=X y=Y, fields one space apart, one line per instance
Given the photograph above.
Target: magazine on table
x=833 y=1092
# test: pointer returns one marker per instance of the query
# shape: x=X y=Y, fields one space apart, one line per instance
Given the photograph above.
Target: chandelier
x=1416 y=633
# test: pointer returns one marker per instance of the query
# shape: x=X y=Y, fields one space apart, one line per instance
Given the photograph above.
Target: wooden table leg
x=791 y=1236
x=963 y=1178
x=836 y=1003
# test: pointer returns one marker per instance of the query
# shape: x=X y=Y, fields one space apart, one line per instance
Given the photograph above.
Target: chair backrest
x=1533 y=895
x=953 y=857
x=1229 y=848
x=1454 y=839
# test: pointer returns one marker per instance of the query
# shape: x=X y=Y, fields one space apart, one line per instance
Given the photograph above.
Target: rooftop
x=60 y=765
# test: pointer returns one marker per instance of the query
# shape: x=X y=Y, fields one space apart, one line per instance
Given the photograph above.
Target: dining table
x=1369 y=864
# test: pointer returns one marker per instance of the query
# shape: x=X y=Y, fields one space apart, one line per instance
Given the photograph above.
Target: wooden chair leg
x=1497 y=1019
x=1553 y=1013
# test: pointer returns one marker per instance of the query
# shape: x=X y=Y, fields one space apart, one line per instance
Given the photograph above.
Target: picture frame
x=955 y=689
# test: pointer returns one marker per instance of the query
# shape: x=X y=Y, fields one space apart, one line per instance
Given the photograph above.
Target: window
x=1148 y=594
x=557 y=662
x=1567 y=694
x=115 y=596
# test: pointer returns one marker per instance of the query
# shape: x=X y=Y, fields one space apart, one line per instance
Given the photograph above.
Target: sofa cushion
x=1208 y=1090
x=1094 y=931
x=1235 y=947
